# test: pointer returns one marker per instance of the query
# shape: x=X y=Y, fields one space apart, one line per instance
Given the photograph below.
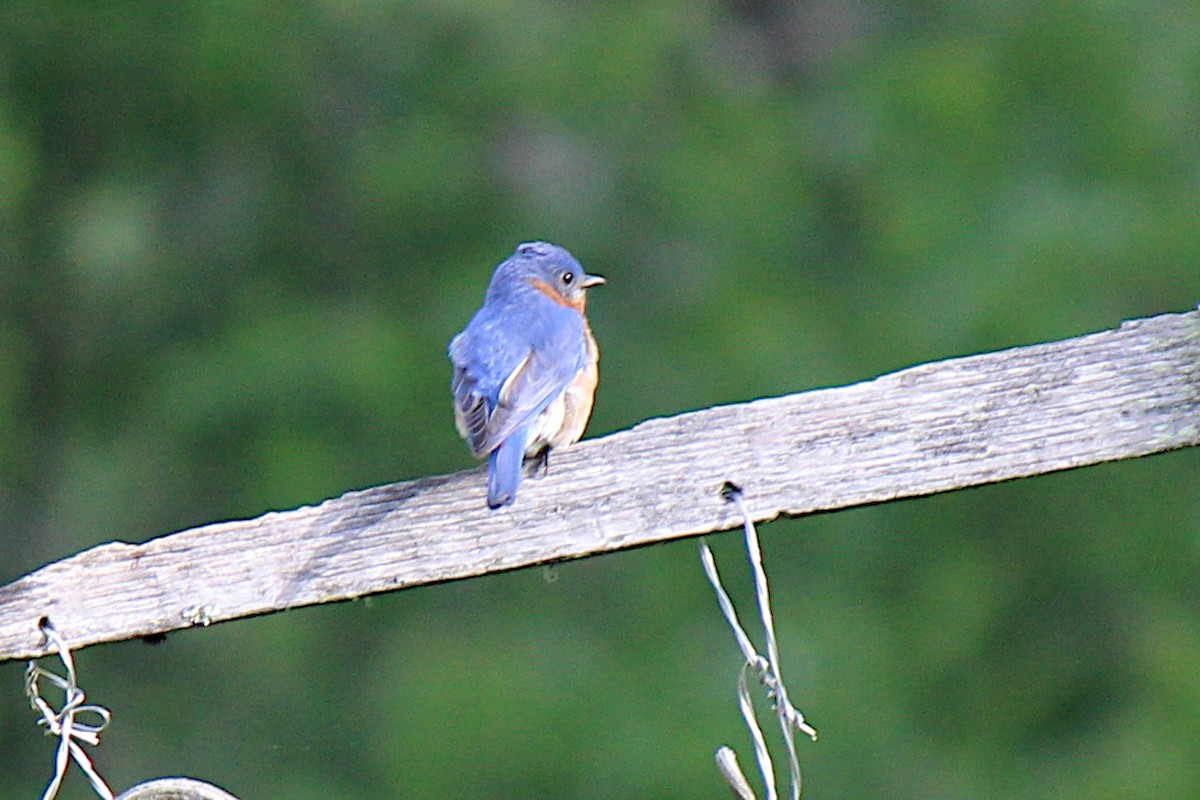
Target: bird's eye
x=567 y=277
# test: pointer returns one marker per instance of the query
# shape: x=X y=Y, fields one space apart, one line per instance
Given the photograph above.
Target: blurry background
x=235 y=238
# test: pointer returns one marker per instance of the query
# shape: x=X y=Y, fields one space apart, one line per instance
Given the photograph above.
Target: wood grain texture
x=932 y=428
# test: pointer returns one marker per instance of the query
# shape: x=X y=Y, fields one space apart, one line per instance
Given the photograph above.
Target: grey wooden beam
x=932 y=428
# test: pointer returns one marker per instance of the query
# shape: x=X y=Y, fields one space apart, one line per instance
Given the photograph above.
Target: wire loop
x=64 y=724
x=765 y=669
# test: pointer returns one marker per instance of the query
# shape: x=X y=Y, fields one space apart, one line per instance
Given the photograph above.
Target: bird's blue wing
x=529 y=389
x=501 y=382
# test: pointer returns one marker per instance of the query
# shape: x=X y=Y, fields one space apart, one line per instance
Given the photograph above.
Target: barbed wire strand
x=790 y=718
x=765 y=766
x=64 y=724
x=766 y=669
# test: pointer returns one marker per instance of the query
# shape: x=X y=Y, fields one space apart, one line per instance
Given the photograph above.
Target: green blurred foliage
x=235 y=239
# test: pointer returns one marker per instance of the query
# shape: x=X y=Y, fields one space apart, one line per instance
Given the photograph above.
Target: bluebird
x=526 y=366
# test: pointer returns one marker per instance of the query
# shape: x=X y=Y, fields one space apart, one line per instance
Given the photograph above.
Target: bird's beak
x=592 y=280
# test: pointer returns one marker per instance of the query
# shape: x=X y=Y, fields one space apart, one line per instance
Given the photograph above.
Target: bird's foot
x=539 y=462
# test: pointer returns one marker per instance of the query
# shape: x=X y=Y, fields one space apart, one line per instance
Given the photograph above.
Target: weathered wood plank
x=932 y=428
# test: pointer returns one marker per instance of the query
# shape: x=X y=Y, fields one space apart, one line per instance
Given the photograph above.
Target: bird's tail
x=504 y=469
